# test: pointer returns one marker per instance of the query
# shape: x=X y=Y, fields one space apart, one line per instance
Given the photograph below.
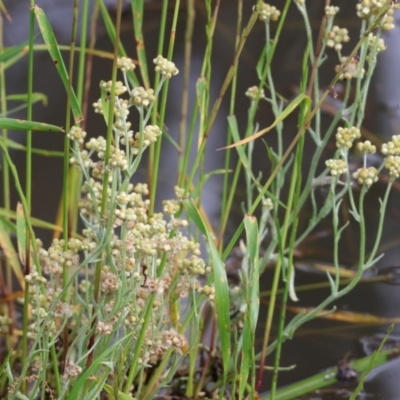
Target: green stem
x=28 y=188
x=104 y=198
x=157 y=152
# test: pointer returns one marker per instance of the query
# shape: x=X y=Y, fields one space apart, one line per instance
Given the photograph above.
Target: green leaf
x=251 y=293
x=21 y=233
x=105 y=101
x=12 y=51
x=221 y=286
x=9 y=251
x=51 y=42
x=36 y=96
x=234 y=129
x=23 y=125
x=283 y=115
x=11 y=144
x=110 y=27
x=137 y=12
x=253 y=243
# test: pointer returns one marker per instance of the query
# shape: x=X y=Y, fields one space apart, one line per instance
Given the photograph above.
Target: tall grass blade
x=221 y=286
x=23 y=125
x=51 y=42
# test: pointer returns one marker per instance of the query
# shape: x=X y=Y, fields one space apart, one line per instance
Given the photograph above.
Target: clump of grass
x=123 y=307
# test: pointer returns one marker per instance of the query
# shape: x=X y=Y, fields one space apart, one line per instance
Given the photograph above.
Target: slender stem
x=104 y=198
x=28 y=188
x=151 y=180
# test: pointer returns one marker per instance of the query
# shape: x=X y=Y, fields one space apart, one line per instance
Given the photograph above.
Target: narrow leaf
x=23 y=125
x=221 y=286
x=283 y=115
x=12 y=51
x=36 y=96
x=234 y=129
x=9 y=252
x=51 y=42
x=21 y=233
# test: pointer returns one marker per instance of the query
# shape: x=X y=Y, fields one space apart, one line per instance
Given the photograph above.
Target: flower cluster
x=331 y=11
x=351 y=70
x=72 y=370
x=366 y=176
x=346 y=136
x=366 y=147
x=165 y=67
x=376 y=43
x=125 y=64
x=367 y=9
x=392 y=163
x=76 y=133
x=388 y=19
x=336 y=167
x=336 y=37
x=120 y=88
x=269 y=12
x=142 y=97
x=208 y=291
x=254 y=93
x=392 y=147
x=155 y=348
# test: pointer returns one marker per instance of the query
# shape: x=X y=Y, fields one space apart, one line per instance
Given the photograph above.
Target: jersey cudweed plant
x=131 y=306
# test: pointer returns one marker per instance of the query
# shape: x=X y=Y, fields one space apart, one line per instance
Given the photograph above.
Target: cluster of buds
x=388 y=19
x=331 y=11
x=392 y=163
x=142 y=97
x=336 y=167
x=208 y=291
x=109 y=281
x=336 y=37
x=269 y=13
x=346 y=136
x=350 y=70
x=254 y=93
x=104 y=329
x=164 y=67
x=367 y=9
x=125 y=64
x=366 y=147
x=366 y=176
x=77 y=134
x=376 y=43
x=120 y=88
x=72 y=370
x=392 y=147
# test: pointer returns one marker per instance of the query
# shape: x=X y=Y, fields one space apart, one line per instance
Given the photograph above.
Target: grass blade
x=23 y=125
x=9 y=251
x=51 y=42
x=36 y=96
x=221 y=286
